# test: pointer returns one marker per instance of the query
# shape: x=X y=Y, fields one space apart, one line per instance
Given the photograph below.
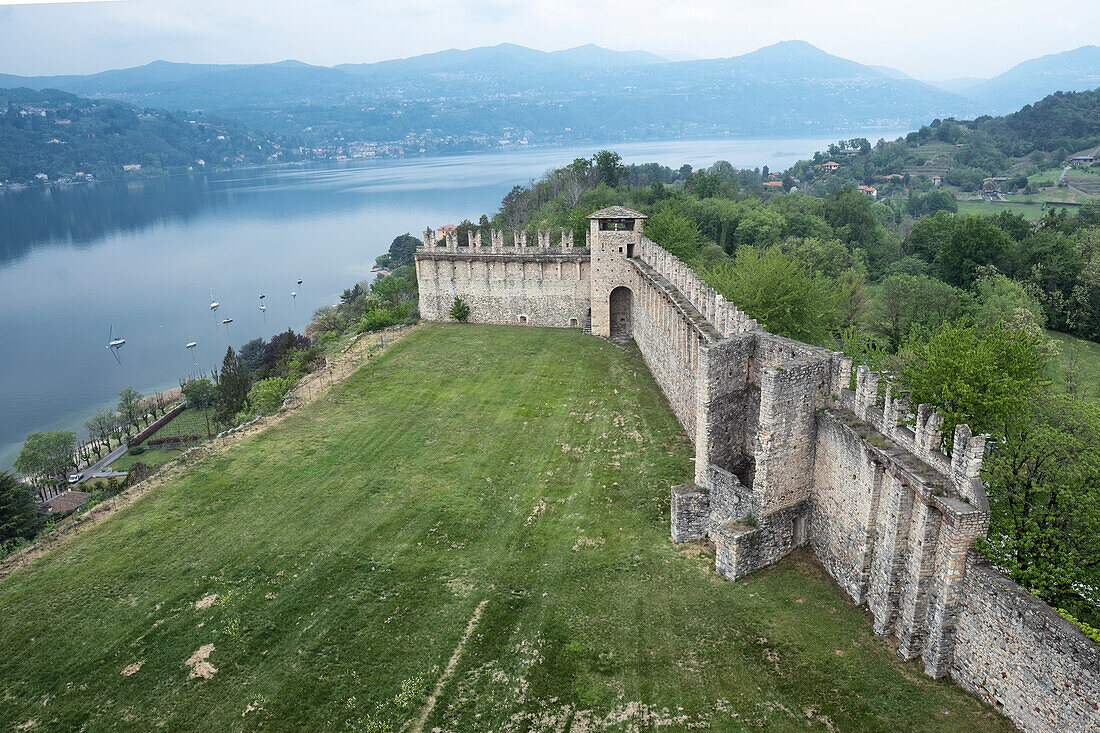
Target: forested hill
x=1027 y=145
x=1066 y=120
x=50 y=135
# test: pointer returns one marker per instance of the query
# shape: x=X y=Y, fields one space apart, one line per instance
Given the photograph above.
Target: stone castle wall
x=538 y=288
x=1019 y=656
x=789 y=454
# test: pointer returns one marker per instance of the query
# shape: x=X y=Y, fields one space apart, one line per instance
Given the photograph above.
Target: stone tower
x=614 y=236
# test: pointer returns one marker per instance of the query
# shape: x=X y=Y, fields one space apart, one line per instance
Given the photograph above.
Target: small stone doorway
x=622 y=329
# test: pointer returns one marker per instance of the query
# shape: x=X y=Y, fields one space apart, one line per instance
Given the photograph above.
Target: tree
x=252 y=353
x=402 y=249
x=231 y=395
x=677 y=234
x=609 y=167
x=46 y=454
x=200 y=394
x=18 y=513
x=1043 y=484
x=267 y=395
x=101 y=425
x=974 y=242
x=903 y=303
x=928 y=234
x=779 y=292
x=459 y=310
x=129 y=407
x=985 y=380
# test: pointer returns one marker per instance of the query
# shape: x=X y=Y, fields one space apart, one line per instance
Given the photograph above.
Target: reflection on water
x=142 y=256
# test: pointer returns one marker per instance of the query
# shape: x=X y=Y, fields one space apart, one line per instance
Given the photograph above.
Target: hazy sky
x=929 y=39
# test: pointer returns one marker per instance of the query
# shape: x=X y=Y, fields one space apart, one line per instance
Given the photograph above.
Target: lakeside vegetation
x=50 y=136
x=331 y=565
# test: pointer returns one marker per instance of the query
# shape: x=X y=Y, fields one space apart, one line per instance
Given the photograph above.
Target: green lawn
x=189 y=422
x=990 y=208
x=1081 y=357
x=482 y=508
x=151 y=457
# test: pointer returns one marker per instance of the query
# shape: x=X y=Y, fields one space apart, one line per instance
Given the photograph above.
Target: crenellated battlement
x=726 y=318
x=475 y=242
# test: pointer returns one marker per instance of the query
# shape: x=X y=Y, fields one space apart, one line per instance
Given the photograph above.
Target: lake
x=143 y=256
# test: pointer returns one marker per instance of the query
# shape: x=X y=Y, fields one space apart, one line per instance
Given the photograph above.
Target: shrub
x=267 y=395
x=376 y=320
x=137 y=450
x=459 y=310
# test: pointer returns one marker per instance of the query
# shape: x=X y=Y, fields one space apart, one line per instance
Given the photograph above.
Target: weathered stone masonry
x=787 y=454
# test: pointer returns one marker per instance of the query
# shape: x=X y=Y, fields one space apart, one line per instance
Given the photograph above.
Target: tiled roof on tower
x=617 y=212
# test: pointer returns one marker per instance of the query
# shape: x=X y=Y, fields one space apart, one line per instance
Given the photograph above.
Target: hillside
x=470 y=533
x=1069 y=71
x=1025 y=151
x=60 y=136
x=473 y=99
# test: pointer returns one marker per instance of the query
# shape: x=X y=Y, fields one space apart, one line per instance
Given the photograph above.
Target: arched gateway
x=619 y=304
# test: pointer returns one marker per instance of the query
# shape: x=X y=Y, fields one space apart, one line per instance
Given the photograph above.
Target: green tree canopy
x=677 y=234
x=200 y=392
x=984 y=380
x=46 y=454
x=1043 y=483
x=18 y=513
x=231 y=395
x=267 y=395
x=974 y=242
x=778 y=291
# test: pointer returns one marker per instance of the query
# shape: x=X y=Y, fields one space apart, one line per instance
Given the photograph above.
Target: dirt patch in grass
x=132 y=669
x=206 y=601
x=198 y=664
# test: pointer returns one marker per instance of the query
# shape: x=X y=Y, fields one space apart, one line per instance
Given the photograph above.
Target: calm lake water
x=143 y=256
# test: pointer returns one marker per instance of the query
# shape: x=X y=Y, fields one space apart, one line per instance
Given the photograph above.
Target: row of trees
x=47 y=456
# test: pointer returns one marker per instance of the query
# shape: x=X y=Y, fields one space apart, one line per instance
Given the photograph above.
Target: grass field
x=189 y=422
x=470 y=534
x=1081 y=356
x=990 y=208
x=151 y=457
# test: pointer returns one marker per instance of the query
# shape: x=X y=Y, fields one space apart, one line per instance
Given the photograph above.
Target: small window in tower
x=523 y=319
x=620 y=250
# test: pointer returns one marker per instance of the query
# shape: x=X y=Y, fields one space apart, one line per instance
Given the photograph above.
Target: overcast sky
x=928 y=39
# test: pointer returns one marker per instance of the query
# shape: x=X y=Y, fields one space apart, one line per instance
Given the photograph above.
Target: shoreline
x=320 y=163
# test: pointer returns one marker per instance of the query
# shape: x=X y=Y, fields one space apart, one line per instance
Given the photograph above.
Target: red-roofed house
x=936 y=180
x=773 y=184
x=830 y=166
x=868 y=190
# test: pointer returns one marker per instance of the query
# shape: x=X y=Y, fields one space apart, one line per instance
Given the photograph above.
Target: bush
x=137 y=450
x=376 y=320
x=267 y=395
x=459 y=310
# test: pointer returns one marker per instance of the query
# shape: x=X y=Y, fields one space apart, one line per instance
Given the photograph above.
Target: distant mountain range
x=507 y=94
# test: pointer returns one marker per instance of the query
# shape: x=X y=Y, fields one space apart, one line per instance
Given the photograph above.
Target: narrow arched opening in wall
x=619 y=306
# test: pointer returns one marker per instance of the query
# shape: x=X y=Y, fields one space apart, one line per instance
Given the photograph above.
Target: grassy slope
x=151 y=457
x=1087 y=356
x=350 y=545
